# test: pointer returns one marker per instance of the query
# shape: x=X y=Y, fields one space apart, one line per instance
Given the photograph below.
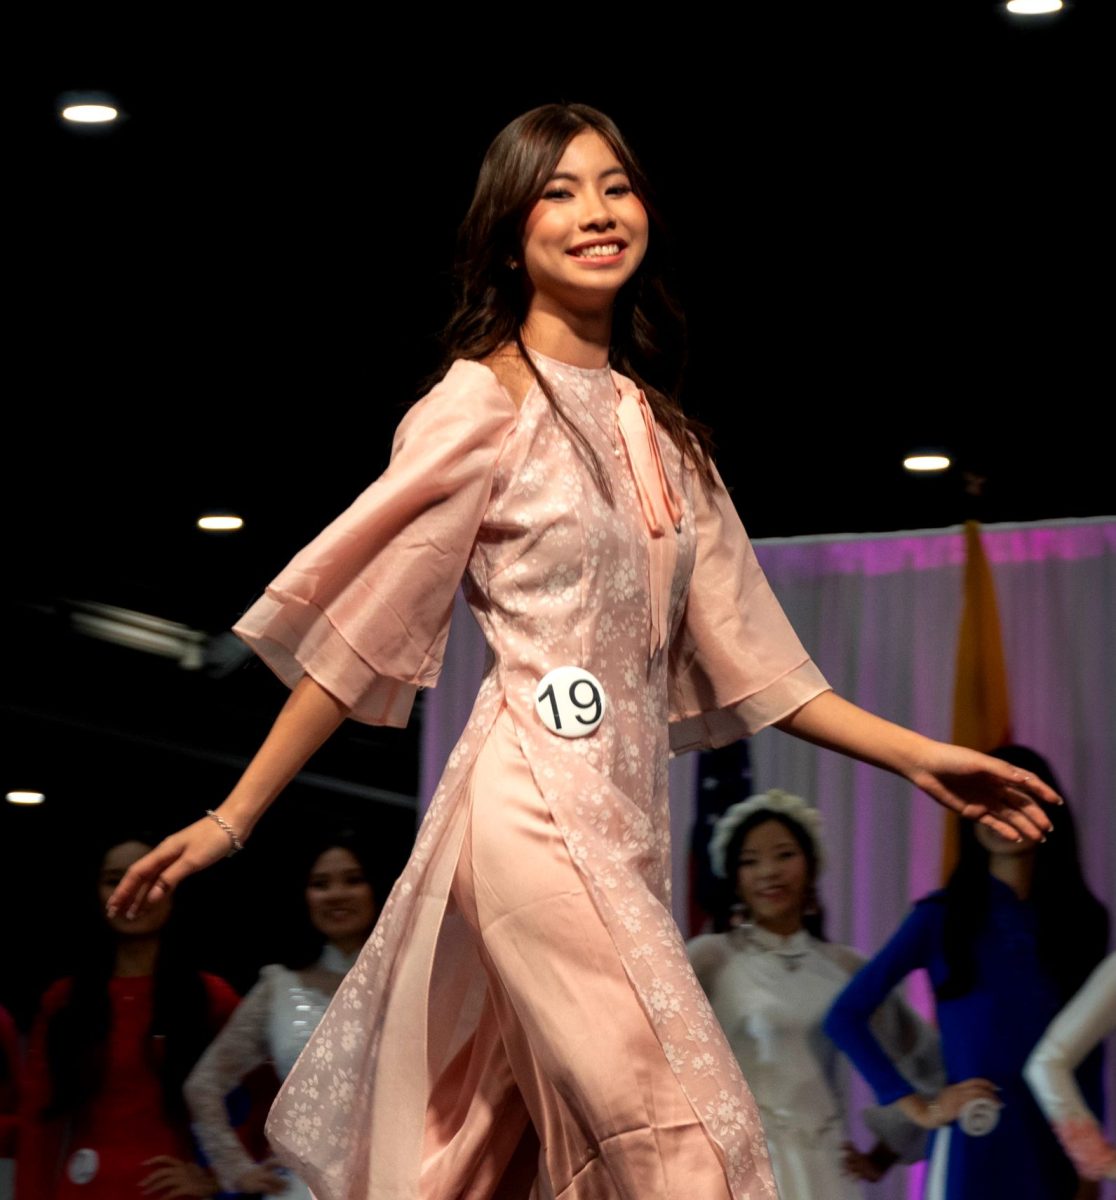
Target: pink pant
x=563 y=1092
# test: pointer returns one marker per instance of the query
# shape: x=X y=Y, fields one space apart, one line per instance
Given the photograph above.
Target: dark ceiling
x=889 y=230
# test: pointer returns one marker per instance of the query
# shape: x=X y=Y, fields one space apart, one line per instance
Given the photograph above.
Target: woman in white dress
x=276 y=1018
x=771 y=981
x=1086 y=1021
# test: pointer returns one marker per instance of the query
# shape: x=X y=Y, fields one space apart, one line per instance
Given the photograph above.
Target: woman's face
x=773 y=877
x=587 y=233
x=339 y=898
x=150 y=919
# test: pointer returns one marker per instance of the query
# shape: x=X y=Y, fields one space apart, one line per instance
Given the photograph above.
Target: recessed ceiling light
x=1031 y=7
x=220 y=521
x=927 y=462
x=90 y=114
x=25 y=797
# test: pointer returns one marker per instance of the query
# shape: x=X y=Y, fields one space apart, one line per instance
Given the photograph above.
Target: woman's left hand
x=972 y=784
x=173 y=1177
x=980 y=788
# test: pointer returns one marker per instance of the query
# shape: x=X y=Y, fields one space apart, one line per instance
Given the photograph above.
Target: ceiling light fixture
x=25 y=797
x=926 y=462
x=1030 y=8
x=90 y=114
x=220 y=522
x=140 y=631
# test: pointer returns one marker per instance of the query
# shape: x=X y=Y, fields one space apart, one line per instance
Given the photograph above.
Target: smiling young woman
x=523 y=1020
x=1009 y=939
x=102 y=1110
x=771 y=981
x=278 y=1015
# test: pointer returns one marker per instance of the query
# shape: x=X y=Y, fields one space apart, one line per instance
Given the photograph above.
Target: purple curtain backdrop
x=880 y=615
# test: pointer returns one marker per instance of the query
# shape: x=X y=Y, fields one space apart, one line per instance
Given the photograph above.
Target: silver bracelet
x=237 y=844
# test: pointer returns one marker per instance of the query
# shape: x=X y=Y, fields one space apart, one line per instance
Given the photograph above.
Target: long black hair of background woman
x=1072 y=923
x=181 y=1025
x=648 y=326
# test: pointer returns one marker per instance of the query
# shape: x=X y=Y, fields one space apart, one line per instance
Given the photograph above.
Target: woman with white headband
x=771 y=981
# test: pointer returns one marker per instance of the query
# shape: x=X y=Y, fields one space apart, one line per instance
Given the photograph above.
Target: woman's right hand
x=158 y=873
x=262 y=1180
x=932 y=1112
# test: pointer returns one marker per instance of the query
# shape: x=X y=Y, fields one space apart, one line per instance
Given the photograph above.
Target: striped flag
x=981 y=707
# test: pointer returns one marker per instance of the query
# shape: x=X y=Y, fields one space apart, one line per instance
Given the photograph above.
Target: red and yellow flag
x=981 y=708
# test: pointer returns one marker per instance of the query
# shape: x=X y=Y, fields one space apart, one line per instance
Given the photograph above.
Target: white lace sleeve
x=1088 y=1018
x=240 y=1047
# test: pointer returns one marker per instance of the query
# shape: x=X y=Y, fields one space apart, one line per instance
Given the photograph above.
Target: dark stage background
x=891 y=230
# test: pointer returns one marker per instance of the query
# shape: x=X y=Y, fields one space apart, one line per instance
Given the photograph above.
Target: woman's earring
x=513 y=264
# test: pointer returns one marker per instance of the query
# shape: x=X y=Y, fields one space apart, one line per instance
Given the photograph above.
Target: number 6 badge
x=570 y=702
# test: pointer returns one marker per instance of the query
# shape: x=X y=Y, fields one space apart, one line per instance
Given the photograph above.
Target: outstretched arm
x=307 y=719
x=969 y=783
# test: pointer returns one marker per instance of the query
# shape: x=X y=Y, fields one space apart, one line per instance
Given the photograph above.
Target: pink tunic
x=658 y=595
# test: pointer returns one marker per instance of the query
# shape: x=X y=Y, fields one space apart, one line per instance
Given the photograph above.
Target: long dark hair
x=78 y=1033
x=812 y=921
x=648 y=326
x=304 y=943
x=1072 y=924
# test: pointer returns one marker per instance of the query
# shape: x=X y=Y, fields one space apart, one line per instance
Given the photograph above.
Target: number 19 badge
x=570 y=702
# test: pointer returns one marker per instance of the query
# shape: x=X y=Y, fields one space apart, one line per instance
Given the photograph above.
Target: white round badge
x=570 y=702
x=83 y=1164
x=979 y=1117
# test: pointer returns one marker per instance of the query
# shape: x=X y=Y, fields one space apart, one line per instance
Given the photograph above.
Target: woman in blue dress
x=1010 y=938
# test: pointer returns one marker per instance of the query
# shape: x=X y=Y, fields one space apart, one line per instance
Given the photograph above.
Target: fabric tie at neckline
x=661 y=506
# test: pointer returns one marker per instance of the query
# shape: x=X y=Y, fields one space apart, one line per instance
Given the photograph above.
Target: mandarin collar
x=794 y=946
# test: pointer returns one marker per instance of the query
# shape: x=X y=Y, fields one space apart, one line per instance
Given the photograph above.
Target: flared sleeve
x=736 y=665
x=364 y=609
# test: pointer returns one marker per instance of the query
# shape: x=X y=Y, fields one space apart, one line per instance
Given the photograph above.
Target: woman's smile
x=600 y=252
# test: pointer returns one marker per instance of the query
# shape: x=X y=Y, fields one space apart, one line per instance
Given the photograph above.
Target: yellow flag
x=981 y=709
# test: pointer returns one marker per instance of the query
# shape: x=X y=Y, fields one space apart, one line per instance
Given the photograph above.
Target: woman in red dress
x=102 y=1110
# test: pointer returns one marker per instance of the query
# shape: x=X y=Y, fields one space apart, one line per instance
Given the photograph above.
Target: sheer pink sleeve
x=736 y=663
x=364 y=609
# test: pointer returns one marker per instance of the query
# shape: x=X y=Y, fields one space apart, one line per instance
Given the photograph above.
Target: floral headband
x=775 y=801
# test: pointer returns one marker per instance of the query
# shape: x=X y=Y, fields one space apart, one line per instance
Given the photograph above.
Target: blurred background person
x=1011 y=937
x=771 y=980
x=9 y=1100
x=102 y=1114
x=275 y=1019
x=1075 y=1032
